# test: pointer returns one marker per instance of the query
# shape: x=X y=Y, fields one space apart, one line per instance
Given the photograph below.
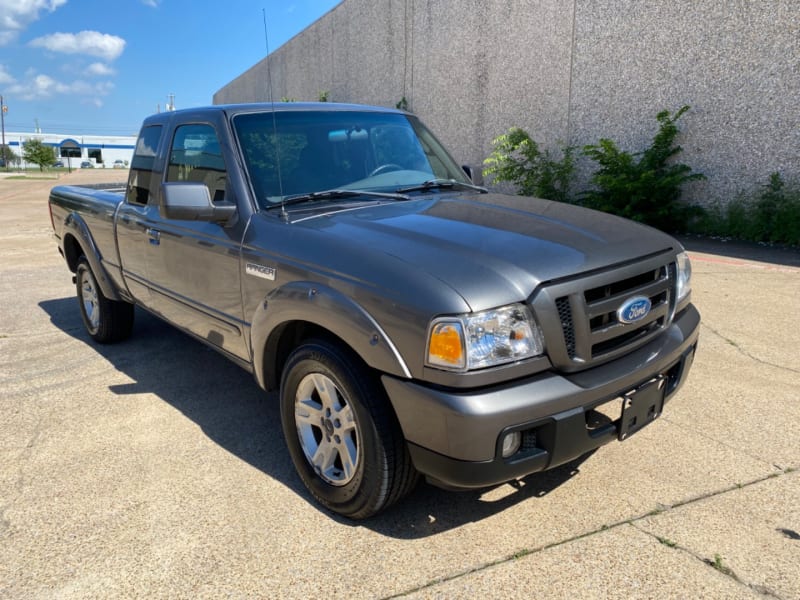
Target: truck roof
x=233 y=109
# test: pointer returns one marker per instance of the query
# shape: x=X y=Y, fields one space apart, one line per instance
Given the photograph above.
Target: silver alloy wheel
x=90 y=300
x=327 y=429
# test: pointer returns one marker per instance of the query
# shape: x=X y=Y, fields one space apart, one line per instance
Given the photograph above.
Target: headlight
x=684 y=284
x=484 y=339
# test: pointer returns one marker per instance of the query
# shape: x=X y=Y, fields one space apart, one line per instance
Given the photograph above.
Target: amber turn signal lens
x=446 y=345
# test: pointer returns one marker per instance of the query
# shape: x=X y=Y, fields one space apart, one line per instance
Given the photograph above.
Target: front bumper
x=455 y=436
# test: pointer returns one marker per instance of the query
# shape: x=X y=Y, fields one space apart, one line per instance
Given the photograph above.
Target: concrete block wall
x=568 y=72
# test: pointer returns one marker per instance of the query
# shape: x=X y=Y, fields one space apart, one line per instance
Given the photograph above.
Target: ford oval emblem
x=634 y=309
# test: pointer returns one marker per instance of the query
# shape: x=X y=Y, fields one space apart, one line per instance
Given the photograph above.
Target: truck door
x=135 y=214
x=193 y=266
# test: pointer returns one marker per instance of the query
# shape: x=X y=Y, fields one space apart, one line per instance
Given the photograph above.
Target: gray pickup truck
x=412 y=322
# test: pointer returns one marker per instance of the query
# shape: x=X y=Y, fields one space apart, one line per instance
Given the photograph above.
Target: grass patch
x=720 y=565
x=667 y=542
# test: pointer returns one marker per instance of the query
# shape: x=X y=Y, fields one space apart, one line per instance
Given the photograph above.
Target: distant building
x=101 y=150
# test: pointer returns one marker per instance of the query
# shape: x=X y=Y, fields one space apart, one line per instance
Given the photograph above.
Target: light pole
x=3 y=110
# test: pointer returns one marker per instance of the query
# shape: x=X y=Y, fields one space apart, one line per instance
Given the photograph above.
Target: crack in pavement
x=16 y=488
x=731 y=446
x=744 y=352
x=632 y=521
x=715 y=563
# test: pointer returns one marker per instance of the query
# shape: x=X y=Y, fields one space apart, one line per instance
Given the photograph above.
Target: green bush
x=643 y=186
x=517 y=159
x=646 y=186
x=769 y=215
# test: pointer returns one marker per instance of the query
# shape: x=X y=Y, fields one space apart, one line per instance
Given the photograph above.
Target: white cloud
x=99 y=70
x=151 y=3
x=5 y=76
x=93 y=43
x=16 y=15
x=40 y=86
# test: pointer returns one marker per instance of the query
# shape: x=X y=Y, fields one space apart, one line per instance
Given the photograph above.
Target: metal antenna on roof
x=284 y=214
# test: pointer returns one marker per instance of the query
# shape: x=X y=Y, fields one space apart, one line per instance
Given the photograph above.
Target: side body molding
x=325 y=307
x=75 y=226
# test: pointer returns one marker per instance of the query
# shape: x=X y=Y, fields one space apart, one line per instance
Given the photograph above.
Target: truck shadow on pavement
x=225 y=402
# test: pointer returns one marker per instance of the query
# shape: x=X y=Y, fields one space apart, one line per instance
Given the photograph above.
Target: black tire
x=349 y=430
x=105 y=320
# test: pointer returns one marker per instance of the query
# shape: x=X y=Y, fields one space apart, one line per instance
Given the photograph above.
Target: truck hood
x=492 y=249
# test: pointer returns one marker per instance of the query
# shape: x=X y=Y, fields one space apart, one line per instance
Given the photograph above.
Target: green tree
x=37 y=152
x=644 y=186
x=517 y=159
x=7 y=155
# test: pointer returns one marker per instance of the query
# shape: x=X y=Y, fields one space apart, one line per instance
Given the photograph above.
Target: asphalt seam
x=632 y=521
x=744 y=352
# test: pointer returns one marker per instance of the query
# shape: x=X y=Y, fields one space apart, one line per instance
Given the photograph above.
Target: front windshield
x=311 y=151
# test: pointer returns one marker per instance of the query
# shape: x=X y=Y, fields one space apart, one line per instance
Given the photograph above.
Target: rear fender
x=326 y=308
x=76 y=227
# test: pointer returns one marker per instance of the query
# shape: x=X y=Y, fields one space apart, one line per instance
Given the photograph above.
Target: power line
x=73 y=128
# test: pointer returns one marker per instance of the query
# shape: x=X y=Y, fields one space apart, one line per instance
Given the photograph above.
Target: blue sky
x=101 y=66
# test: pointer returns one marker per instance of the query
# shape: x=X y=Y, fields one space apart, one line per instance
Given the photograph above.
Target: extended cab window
x=142 y=165
x=196 y=156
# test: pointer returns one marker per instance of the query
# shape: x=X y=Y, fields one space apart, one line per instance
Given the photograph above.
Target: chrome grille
x=589 y=331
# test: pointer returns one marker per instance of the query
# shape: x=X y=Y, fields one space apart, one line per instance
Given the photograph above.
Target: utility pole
x=3 y=111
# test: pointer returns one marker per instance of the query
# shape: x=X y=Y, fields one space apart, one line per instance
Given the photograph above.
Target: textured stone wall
x=567 y=72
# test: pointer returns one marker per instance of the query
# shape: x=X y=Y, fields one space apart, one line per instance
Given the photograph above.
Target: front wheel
x=105 y=320
x=342 y=435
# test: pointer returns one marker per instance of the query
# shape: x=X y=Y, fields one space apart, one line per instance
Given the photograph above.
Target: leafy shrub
x=517 y=159
x=646 y=186
x=643 y=186
x=771 y=215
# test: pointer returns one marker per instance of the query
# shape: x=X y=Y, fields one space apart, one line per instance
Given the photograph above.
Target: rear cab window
x=141 y=174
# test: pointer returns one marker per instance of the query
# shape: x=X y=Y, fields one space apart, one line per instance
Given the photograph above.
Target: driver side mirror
x=475 y=176
x=190 y=201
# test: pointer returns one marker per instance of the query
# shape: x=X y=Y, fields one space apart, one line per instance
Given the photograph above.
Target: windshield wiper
x=334 y=195
x=438 y=184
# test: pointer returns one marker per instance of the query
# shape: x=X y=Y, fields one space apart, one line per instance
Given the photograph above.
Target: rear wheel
x=342 y=435
x=105 y=320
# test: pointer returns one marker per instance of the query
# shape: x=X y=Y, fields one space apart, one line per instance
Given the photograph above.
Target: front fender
x=327 y=308
x=76 y=227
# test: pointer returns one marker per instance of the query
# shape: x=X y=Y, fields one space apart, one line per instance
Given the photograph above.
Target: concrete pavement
x=156 y=468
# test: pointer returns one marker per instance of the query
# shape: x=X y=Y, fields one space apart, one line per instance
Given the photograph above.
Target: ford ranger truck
x=412 y=323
